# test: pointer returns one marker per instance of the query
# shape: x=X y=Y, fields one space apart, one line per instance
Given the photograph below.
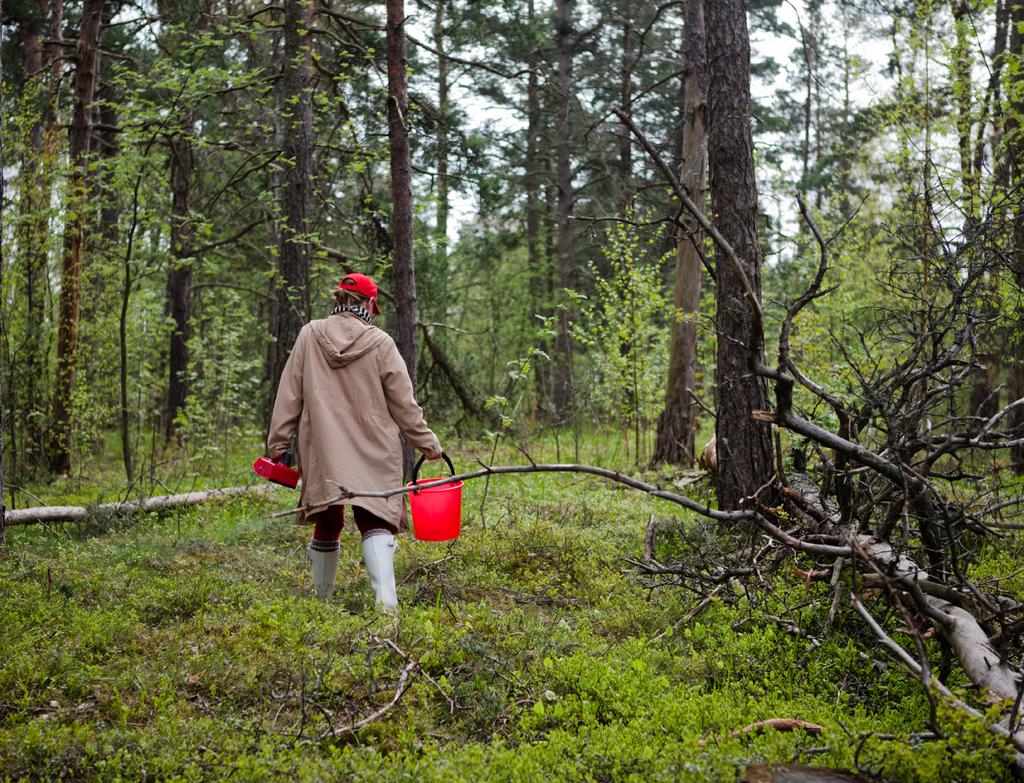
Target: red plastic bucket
x=436 y=511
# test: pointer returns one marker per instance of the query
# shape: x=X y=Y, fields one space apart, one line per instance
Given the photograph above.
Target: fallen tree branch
x=915 y=668
x=652 y=490
x=42 y=514
x=982 y=664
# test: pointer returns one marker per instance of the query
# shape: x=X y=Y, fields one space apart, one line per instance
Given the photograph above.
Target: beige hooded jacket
x=347 y=390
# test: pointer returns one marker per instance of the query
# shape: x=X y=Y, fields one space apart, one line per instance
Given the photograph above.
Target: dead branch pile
x=906 y=494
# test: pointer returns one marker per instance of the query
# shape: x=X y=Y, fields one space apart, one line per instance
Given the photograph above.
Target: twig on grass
x=423 y=567
x=400 y=689
x=415 y=664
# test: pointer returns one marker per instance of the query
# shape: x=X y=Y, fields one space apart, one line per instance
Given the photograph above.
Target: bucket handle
x=416 y=470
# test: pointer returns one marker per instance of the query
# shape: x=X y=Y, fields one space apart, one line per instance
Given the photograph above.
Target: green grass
x=186 y=646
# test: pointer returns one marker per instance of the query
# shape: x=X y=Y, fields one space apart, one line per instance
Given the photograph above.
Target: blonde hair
x=343 y=296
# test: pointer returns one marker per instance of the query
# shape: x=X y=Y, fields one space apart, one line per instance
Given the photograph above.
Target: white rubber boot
x=379 y=555
x=324 y=566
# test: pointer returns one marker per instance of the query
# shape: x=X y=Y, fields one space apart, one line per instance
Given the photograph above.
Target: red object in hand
x=277 y=472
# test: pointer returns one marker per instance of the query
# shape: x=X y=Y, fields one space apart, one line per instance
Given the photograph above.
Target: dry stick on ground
x=778 y=724
x=413 y=661
x=400 y=689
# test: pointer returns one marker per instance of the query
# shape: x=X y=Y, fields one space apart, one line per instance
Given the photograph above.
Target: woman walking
x=346 y=391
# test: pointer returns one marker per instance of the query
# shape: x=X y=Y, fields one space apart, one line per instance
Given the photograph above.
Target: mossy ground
x=187 y=646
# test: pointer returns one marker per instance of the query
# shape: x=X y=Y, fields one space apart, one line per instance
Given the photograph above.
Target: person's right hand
x=435 y=455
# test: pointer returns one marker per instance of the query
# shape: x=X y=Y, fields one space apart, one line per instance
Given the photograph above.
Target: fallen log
x=43 y=514
x=983 y=664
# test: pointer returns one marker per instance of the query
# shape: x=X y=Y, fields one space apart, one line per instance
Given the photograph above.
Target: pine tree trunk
x=625 y=101
x=179 y=276
x=1016 y=150
x=566 y=196
x=538 y=273
x=273 y=185
x=3 y=193
x=441 y=214
x=296 y=116
x=35 y=262
x=86 y=76
x=403 y=269
x=32 y=229
x=677 y=425
x=985 y=386
x=743 y=445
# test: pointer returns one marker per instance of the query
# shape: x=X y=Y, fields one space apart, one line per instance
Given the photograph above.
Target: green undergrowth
x=186 y=646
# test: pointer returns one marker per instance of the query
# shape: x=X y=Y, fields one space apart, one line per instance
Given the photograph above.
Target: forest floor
x=186 y=645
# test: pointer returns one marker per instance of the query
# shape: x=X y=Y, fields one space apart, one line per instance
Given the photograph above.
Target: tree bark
x=179 y=276
x=962 y=84
x=403 y=269
x=744 y=445
x=3 y=504
x=1016 y=153
x=538 y=274
x=994 y=104
x=625 y=101
x=86 y=67
x=34 y=197
x=808 y=45
x=296 y=116
x=441 y=214
x=984 y=400
x=677 y=425
x=563 y=382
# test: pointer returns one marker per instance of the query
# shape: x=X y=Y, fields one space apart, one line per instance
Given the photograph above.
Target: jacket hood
x=345 y=337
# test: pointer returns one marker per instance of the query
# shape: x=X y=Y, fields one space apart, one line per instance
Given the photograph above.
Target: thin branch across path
x=344 y=493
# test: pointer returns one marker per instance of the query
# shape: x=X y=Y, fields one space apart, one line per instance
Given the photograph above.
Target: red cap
x=361 y=284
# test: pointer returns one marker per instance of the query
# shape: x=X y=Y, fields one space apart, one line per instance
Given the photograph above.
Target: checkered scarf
x=362 y=312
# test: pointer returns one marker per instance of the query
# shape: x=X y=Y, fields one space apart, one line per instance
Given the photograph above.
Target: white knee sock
x=323 y=558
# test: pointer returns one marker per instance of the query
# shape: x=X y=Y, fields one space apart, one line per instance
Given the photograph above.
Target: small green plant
x=622 y=325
